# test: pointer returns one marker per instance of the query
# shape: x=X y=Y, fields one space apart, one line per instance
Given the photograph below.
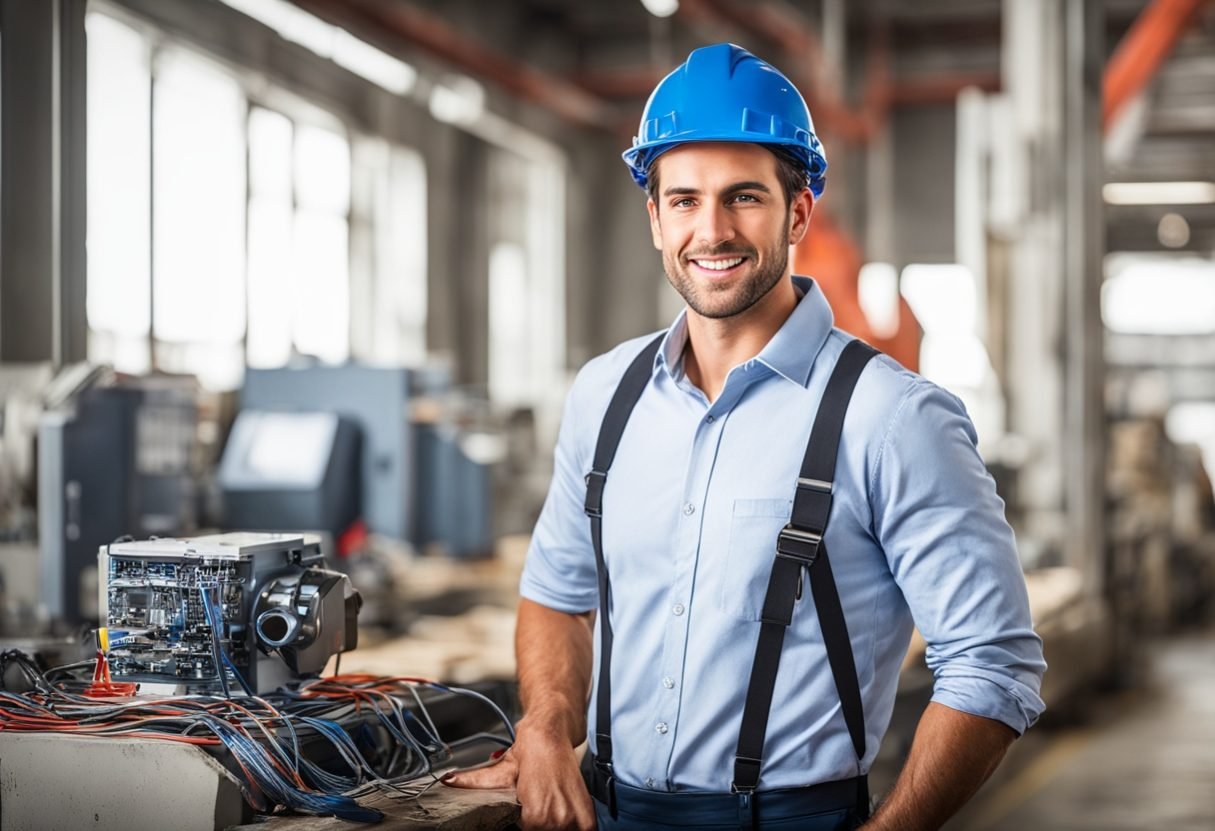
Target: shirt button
x=709 y=419
x=668 y=682
x=677 y=609
x=661 y=727
x=649 y=782
x=689 y=509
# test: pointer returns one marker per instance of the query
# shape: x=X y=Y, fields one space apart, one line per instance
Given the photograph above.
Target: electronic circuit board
x=159 y=623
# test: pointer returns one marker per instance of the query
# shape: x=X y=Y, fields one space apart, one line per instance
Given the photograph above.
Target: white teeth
x=719 y=265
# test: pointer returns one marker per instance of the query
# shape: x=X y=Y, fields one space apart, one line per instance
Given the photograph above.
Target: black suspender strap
x=632 y=385
x=800 y=546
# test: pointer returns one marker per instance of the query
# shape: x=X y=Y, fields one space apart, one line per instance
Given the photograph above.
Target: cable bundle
x=264 y=733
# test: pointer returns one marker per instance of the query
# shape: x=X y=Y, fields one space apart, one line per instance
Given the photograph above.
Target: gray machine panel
x=374 y=398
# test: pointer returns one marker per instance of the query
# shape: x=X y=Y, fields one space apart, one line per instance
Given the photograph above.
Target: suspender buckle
x=816 y=485
x=604 y=783
x=595 y=480
x=795 y=543
x=746 y=774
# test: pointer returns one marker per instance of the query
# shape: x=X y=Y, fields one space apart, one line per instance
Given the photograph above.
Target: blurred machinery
x=454 y=500
x=340 y=442
x=373 y=401
x=291 y=470
x=1161 y=561
x=21 y=394
x=210 y=613
x=88 y=455
x=116 y=455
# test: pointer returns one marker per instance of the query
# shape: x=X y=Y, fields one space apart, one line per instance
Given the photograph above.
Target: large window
x=388 y=237
x=198 y=218
x=299 y=203
x=119 y=187
x=526 y=319
x=222 y=229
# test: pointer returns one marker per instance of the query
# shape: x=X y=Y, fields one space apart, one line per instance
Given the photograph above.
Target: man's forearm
x=952 y=755
x=554 y=652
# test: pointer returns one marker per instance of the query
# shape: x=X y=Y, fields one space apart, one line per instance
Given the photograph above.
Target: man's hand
x=554 y=653
x=543 y=770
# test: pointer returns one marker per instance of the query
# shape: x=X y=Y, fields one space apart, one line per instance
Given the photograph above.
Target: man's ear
x=655 y=226
x=799 y=215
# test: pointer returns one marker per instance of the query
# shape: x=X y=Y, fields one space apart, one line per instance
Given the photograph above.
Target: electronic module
x=206 y=614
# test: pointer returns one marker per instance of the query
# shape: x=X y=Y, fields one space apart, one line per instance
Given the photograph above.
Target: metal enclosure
x=114 y=461
x=291 y=470
x=179 y=609
x=376 y=399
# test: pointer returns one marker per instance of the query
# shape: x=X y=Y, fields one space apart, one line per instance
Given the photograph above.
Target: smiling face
x=722 y=223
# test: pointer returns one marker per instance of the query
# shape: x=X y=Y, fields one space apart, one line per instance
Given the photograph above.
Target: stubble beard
x=718 y=303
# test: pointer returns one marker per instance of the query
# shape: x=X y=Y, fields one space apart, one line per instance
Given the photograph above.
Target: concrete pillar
x=1052 y=75
x=1084 y=248
x=1032 y=78
x=42 y=180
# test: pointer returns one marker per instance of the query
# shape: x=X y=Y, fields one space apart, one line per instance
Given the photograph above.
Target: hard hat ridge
x=725 y=93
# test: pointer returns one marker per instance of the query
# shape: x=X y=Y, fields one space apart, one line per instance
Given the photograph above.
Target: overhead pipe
x=1142 y=51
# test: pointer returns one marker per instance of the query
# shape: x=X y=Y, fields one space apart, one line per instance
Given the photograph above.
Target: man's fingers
x=502 y=775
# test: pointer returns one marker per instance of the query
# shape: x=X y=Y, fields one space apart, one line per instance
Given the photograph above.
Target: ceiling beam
x=443 y=41
x=781 y=27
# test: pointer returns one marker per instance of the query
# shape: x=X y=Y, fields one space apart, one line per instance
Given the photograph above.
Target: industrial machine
x=372 y=399
x=317 y=446
x=115 y=456
x=226 y=611
x=291 y=470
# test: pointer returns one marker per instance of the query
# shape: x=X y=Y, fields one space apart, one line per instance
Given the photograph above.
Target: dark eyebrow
x=729 y=191
x=739 y=186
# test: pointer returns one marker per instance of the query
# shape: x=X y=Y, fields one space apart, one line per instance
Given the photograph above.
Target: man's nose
x=714 y=225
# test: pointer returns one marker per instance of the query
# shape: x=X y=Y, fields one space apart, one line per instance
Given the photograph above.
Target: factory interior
x=319 y=274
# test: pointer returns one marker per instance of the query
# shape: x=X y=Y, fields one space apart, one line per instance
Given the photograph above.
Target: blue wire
x=216 y=649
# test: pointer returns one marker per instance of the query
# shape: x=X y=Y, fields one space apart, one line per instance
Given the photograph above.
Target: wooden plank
x=441 y=808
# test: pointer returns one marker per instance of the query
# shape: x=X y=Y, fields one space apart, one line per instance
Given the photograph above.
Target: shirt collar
x=791 y=351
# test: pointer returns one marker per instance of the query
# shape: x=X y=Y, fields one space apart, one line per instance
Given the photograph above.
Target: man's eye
x=745 y=197
x=681 y=203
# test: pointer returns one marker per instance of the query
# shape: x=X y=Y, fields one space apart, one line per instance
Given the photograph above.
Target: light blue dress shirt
x=692 y=507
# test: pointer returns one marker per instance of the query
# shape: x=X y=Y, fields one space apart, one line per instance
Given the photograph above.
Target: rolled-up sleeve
x=560 y=568
x=941 y=524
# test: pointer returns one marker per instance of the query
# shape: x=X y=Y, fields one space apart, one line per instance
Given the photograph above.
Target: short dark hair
x=790 y=172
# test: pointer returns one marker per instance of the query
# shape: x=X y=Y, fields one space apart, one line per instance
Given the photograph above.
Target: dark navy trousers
x=639 y=809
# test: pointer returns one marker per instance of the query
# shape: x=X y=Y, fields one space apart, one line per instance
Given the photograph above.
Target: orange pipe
x=1141 y=52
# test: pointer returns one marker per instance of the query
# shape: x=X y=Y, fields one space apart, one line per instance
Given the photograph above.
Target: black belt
x=693 y=809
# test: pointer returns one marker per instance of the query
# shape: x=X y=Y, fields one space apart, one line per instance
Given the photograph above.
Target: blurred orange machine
x=834 y=260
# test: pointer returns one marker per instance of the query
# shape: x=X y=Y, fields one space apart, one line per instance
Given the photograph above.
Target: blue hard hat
x=724 y=93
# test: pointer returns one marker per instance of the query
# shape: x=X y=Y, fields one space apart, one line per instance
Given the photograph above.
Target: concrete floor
x=1144 y=760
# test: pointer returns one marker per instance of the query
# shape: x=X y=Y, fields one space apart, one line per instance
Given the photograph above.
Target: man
x=687 y=508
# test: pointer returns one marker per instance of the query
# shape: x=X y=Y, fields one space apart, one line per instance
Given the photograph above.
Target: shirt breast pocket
x=749 y=554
